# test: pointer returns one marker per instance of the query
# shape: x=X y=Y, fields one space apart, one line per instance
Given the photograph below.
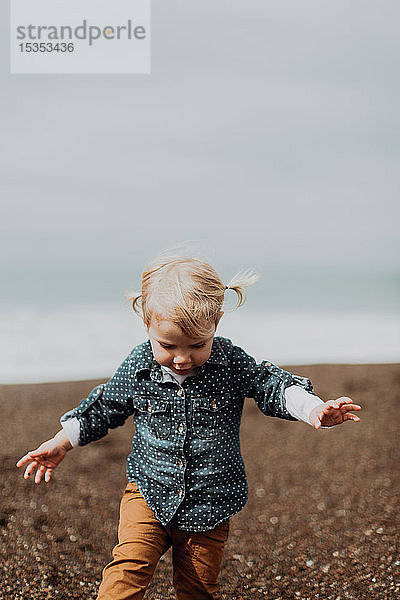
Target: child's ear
x=219 y=318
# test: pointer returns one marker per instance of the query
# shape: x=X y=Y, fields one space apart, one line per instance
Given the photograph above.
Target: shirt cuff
x=72 y=430
x=300 y=403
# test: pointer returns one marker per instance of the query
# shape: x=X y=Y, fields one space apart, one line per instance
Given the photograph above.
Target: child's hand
x=46 y=457
x=333 y=412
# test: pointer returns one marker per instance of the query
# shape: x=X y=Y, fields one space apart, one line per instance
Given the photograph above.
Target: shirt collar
x=147 y=362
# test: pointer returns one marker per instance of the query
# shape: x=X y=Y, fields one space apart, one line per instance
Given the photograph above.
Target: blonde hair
x=187 y=291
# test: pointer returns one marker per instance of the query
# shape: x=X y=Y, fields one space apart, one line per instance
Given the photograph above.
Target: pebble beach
x=321 y=523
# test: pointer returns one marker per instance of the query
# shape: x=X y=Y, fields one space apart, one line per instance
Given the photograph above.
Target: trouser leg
x=197 y=559
x=141 y=542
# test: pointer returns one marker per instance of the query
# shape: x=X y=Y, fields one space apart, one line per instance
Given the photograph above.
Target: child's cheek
x=202 y=357
x=159 y=353
x=163 y=357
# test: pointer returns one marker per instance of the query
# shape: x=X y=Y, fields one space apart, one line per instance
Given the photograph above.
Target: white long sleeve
x=71 y=428
x=300 y=403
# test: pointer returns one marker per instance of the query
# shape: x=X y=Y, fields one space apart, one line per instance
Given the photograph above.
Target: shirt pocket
x=208 y=416
x=155 y=415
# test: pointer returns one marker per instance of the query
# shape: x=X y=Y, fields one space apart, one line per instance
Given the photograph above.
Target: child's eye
x=199 y=345
x=166 y=346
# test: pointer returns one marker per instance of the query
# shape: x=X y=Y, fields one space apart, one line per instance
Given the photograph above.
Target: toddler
x=185 y=389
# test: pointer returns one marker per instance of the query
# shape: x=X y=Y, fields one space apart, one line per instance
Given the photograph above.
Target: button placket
x=181 y=411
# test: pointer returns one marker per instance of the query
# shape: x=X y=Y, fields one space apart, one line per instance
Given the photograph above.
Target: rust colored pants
x=196 y=557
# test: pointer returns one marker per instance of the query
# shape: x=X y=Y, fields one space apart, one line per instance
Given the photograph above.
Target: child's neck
x=179 y=378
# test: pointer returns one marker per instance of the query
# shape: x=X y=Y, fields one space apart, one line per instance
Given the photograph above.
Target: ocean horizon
x=75 y=342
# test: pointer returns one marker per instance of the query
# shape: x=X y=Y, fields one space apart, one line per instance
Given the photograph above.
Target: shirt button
x=181 y=428
x=213 y=404
x=149 y=408
x=180 y=493
x=180 y=392
x=180 y=463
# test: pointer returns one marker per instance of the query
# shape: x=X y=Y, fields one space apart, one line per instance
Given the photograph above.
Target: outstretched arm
x=334 y=412
x=46 y=457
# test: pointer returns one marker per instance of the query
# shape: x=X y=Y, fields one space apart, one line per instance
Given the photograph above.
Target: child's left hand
x=333 y=412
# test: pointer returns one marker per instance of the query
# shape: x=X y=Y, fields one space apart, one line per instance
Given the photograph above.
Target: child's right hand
x=46 y=457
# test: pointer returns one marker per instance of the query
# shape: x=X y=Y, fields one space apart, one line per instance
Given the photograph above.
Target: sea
x=47 y=336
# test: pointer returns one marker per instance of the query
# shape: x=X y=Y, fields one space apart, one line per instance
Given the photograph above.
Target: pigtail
x=136 y=301
x=239 y=282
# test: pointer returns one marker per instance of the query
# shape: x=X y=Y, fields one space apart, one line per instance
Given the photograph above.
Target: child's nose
x=181 y=359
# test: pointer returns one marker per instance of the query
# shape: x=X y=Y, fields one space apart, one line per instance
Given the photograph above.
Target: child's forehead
x=167 y=329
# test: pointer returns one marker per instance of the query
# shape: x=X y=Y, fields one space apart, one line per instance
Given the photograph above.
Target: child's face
x=173 y=349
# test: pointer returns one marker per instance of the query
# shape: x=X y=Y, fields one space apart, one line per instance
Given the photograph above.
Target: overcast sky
x=268 y=132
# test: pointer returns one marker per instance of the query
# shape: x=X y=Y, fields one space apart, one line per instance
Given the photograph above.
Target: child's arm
x=279 y=393
x=46 y=457
x=333 y=412
x=107 y=406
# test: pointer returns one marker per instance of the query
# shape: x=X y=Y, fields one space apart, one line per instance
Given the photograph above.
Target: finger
x=344 y=400
x=331 y=406
x=347 y=407
x=315 y=421
x=39 y=474
x=24 y=460
x=37 y=452
x=31 y=467
x=47 y=475
x=350 y=417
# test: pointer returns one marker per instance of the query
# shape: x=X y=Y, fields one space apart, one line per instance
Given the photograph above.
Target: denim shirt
x=186 y=458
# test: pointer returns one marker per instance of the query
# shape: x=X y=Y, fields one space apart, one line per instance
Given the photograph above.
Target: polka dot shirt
x=186 y=458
